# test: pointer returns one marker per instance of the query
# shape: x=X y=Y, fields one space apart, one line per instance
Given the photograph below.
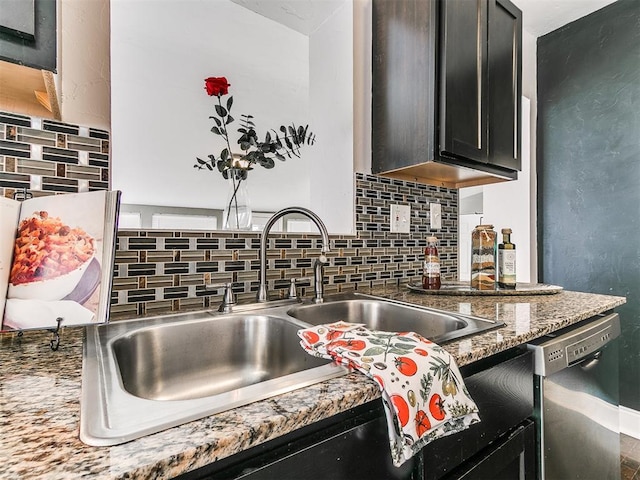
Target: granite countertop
x=40 y=392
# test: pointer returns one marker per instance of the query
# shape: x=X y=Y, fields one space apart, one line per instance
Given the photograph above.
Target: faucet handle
x=293 y=291
x=228 y=298
x=215 y=286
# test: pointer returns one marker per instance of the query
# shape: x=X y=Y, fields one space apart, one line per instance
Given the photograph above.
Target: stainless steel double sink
x=143 y=376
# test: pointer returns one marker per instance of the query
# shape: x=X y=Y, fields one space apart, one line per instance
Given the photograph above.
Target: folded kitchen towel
x=423 y=393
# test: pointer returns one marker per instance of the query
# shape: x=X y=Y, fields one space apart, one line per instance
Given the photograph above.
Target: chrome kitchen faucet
x=318 y=264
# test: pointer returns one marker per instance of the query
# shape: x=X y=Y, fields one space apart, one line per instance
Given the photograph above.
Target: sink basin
x=183 y=361
x=143 y=376
x=386 y=315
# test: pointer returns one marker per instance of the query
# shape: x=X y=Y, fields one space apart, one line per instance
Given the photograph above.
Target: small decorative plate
x=464 y=288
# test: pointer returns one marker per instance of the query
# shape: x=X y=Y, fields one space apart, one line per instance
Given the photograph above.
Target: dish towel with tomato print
x=423 y=393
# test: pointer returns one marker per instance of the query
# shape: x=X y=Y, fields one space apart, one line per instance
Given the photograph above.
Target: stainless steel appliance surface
x=577 y=400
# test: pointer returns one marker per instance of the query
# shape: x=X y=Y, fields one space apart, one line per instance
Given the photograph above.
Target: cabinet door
x=350 y=445
x=504 y=83
x=463 y=80
x=480 y=84
x=359 y=453
x=512 y=457
x=502 y=387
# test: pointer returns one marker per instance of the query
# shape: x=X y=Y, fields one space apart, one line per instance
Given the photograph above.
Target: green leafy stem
x=385 y=344
x=275 y=146
x=280 y=146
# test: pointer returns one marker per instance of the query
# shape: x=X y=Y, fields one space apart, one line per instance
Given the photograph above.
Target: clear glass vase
x=237 y=211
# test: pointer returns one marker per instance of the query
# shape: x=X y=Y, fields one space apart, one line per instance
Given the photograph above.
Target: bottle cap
x=506 y=230
x=432 y=239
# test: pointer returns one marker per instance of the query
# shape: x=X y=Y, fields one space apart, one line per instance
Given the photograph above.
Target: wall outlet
x=435 y=213
x=400 y=218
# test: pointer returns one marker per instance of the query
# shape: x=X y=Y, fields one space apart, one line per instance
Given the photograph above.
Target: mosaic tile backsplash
x=159 y=271
x=166 y=271
x=49 y=157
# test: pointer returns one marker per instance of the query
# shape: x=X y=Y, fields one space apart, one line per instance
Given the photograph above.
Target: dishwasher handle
x=574 y=345
x=590 y=362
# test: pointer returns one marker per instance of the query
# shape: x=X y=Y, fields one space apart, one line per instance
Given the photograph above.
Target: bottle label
x=507 y=266
x=431 y=267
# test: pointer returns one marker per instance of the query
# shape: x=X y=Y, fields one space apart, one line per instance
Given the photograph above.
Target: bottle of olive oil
x=507 y=261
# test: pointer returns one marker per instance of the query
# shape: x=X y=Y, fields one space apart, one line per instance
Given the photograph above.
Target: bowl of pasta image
x=49 y=258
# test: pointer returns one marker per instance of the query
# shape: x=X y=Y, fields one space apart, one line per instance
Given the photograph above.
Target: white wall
x=503 y=205
x=529 y=90
x=331 y=159
x=506 y=205
x=161 y=52
x=83 y=78
x=362 y=39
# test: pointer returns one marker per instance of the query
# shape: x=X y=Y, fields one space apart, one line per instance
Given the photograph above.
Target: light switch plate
x=400 y=218
x=435 y=212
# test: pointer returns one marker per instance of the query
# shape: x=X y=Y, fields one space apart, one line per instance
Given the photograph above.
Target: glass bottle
x=431 y=265
x=507 y=261
x=483 y=258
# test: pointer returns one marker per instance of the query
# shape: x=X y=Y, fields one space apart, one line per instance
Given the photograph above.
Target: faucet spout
x=318 y=269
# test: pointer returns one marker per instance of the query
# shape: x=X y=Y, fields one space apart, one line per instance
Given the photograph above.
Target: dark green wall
x=588 y=166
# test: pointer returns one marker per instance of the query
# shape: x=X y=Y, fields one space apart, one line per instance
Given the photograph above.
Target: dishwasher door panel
x=580 y=419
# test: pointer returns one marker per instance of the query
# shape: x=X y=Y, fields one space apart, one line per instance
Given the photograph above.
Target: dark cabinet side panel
x=404 y=42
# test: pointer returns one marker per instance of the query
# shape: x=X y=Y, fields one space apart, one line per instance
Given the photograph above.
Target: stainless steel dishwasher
x=577 y=401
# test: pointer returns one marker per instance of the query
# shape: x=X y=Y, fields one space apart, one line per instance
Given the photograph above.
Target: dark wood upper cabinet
x=28 y=33
x=446 y=90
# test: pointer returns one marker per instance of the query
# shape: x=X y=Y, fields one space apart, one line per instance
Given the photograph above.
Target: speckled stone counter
x=40 y=392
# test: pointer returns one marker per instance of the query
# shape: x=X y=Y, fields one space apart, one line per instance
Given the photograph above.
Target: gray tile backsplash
x=49 y=157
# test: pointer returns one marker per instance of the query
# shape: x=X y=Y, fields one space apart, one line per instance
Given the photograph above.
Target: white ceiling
x=540 y=17
x=303 y=16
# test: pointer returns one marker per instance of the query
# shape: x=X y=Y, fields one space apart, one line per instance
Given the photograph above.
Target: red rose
x=216 y=86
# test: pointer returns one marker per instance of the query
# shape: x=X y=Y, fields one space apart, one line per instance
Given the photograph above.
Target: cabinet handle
x=479 y=70
x=514 y=75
